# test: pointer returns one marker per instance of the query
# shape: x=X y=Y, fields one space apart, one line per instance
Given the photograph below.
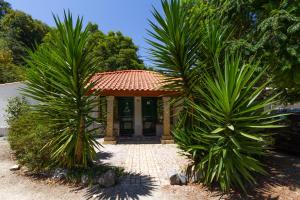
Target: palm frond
x=59 y=79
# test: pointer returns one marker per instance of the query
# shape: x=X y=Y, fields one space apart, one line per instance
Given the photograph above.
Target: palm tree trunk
x=79 y=144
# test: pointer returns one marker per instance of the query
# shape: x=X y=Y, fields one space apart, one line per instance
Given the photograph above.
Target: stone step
x=139 y=140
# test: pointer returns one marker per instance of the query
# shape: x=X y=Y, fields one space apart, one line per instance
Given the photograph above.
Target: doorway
x=149 y=113
x=126 y=118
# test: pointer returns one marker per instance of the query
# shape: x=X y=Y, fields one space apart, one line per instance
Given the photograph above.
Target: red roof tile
x=131 y=83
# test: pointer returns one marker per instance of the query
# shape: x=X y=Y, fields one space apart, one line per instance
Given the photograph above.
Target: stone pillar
x=166 y=137
x=138 y=122
x=109 y=134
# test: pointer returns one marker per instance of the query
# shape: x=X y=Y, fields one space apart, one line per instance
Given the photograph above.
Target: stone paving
x=144 y=162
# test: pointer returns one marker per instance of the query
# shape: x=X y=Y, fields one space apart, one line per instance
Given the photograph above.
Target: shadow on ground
x=284 y=171
x=131 y=186
x=102 y=155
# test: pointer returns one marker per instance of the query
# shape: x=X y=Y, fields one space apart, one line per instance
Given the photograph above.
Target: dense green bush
x=60 y=80
x=223 y=120
x=16 y=106
x=28 y=136
x=229 y=126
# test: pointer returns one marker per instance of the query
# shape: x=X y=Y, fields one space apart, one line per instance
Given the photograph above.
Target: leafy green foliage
x=4 y=7
x=279 y=45
x=114 y=51
x=59 y=79
x=21 y=32
x=23 y=28
x=9 y=72
x=175 y=45
x=16 y=107
x=265 y=30
x=222 y=123
x=18 y=31
x=27 y=137
x=229 y=125
x=185 y=46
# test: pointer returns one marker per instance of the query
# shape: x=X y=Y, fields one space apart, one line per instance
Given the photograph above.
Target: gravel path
x=17 y=187
x=149 y=166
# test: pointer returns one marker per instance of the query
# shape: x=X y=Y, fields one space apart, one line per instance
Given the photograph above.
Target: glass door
x=149 y=113
x=126 y=118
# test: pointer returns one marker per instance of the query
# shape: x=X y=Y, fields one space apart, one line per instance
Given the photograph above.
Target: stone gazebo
x=136 y=105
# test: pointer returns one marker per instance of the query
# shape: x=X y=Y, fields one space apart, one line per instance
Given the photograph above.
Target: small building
x=137 y=105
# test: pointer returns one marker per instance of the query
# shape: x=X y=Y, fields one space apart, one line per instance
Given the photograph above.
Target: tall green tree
x=4 y=7
x=278 y=43
x=116 y=51
x=59 y=78
x=175 y=45
x=185 y=46
x=9 y=72
x=184 y=51
x=20 y=32
x=228 y=136
x=224 y=133
x=113 y=50
x=265 y=30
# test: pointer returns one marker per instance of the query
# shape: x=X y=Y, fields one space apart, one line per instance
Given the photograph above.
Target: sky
x=128 y=16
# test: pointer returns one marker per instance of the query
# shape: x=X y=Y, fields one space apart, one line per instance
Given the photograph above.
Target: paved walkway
x=148 y=168
x=145 y=161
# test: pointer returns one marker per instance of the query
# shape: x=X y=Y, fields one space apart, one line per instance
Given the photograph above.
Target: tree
x=278 y=42
x=229 y=136
x=174 y=46
x=221 y=126
x=59 y=79
x=113 y=50
x=265 y=30
x=9 y=72
x=4 y=7
x=20 y=32
x=116 y=52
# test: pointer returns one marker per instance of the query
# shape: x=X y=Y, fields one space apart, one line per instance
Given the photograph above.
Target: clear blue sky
x=128 y=16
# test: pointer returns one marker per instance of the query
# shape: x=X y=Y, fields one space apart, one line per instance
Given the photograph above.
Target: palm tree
x=229 y=130
x=175 y=45
x=59 y=79
x=183 y=46
x=223 y=122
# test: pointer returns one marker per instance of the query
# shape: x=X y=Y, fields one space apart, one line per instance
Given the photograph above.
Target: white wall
x=296 y=105
x=7 y=91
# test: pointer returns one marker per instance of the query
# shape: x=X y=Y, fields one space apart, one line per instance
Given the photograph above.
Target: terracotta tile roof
x=131 y=83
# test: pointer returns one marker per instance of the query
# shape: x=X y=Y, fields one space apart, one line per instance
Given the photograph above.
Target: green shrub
x=229 y=125
x=16 y=106
x=27 y=137
x=223 y=118
x=60 y=80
